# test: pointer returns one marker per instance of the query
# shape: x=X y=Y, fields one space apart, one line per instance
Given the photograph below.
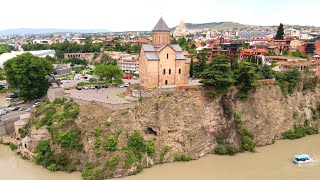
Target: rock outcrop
x=188 y=121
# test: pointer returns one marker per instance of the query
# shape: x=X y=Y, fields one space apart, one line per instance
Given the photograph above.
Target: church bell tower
x=161 y=33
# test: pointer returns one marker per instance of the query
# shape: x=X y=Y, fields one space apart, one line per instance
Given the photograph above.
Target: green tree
x=218 y=75
x=200 y=66
x=106 y=59
x=266 y=72
x=297 y=53
x=174 y=41
x=4 y=48
x=29 y=74
x=280 y=33
x=245 y=76
x=191 y=67
x=288 y=80
x=135 y=48
x=109 y=72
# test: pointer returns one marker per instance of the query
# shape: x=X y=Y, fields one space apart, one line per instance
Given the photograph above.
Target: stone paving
x=106 y=95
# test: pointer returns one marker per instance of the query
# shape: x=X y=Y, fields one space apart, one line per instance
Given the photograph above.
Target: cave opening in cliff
x=151 y=131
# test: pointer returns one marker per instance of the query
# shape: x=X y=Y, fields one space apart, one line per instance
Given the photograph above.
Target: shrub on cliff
x=70 y=139
x=288 y=80
x=181 y=156
x=299 y=132
x=13 y=147
x=91 y=173
x=246 y=138
x=44 y=155
x=224 y=149
x=110 y=143
x=163 y=152
x=136 y=142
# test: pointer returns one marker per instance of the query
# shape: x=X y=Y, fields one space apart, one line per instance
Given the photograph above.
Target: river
x=269 y=162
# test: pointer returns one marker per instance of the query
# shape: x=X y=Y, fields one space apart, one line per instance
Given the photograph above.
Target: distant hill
x=49 y=31
x=215 y=25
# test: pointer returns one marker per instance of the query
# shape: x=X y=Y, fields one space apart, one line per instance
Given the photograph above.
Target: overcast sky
x=126 y=15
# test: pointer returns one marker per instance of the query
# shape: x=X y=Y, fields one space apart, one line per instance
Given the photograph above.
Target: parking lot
x=107 y=95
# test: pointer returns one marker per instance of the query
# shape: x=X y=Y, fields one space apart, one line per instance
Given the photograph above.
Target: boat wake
x=314 y=161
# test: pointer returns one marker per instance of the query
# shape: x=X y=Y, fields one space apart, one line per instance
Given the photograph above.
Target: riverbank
x=268 y=162
x=13 y=167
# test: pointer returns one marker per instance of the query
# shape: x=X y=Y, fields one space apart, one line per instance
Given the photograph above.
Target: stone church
x=161 y=63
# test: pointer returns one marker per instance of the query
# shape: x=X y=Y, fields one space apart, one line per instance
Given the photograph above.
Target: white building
x=128 y=64
x=292 y=32
x=42 y=53
x=40 y=41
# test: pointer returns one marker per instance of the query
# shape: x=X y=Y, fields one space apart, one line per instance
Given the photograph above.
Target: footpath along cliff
x=173 y=126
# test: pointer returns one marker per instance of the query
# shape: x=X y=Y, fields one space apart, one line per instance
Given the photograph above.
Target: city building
x=86 y=56
x=128 y=63
x=292 y=32
x=161 y=63
x=181 y=30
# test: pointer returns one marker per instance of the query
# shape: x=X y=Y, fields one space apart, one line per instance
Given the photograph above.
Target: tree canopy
x=29 y=74
x=4 y=48
x=280 y=33
x=218 y=75
x=75 y=61
x=109 y=72
x=245 y=76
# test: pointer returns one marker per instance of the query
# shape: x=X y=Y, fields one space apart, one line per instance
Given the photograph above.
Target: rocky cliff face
x=188 y=121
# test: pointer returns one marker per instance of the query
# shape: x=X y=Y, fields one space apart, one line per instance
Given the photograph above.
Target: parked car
x=3 y=112
x=16 y=109
x=78 y=87
x=104 y=86
x=120 y=86
x=125 y=85
x=9 y=98
x=12 y=96
x=98 y=87
x=85 y=87
x=36 y=103
x=92 y=87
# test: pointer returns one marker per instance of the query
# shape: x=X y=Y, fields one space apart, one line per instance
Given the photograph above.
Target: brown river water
x=268 y=163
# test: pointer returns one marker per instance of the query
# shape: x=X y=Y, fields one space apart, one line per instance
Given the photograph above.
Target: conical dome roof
x=161 y=26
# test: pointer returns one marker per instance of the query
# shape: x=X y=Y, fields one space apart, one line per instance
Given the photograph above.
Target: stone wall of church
x=167 y=67
x=182 y=73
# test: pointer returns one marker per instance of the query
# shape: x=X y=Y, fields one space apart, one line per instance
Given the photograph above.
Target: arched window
x=169 y=71
x=167 y=56
x=159 y=40
x=179 y=71
x=164 y=71
x=166 y=82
